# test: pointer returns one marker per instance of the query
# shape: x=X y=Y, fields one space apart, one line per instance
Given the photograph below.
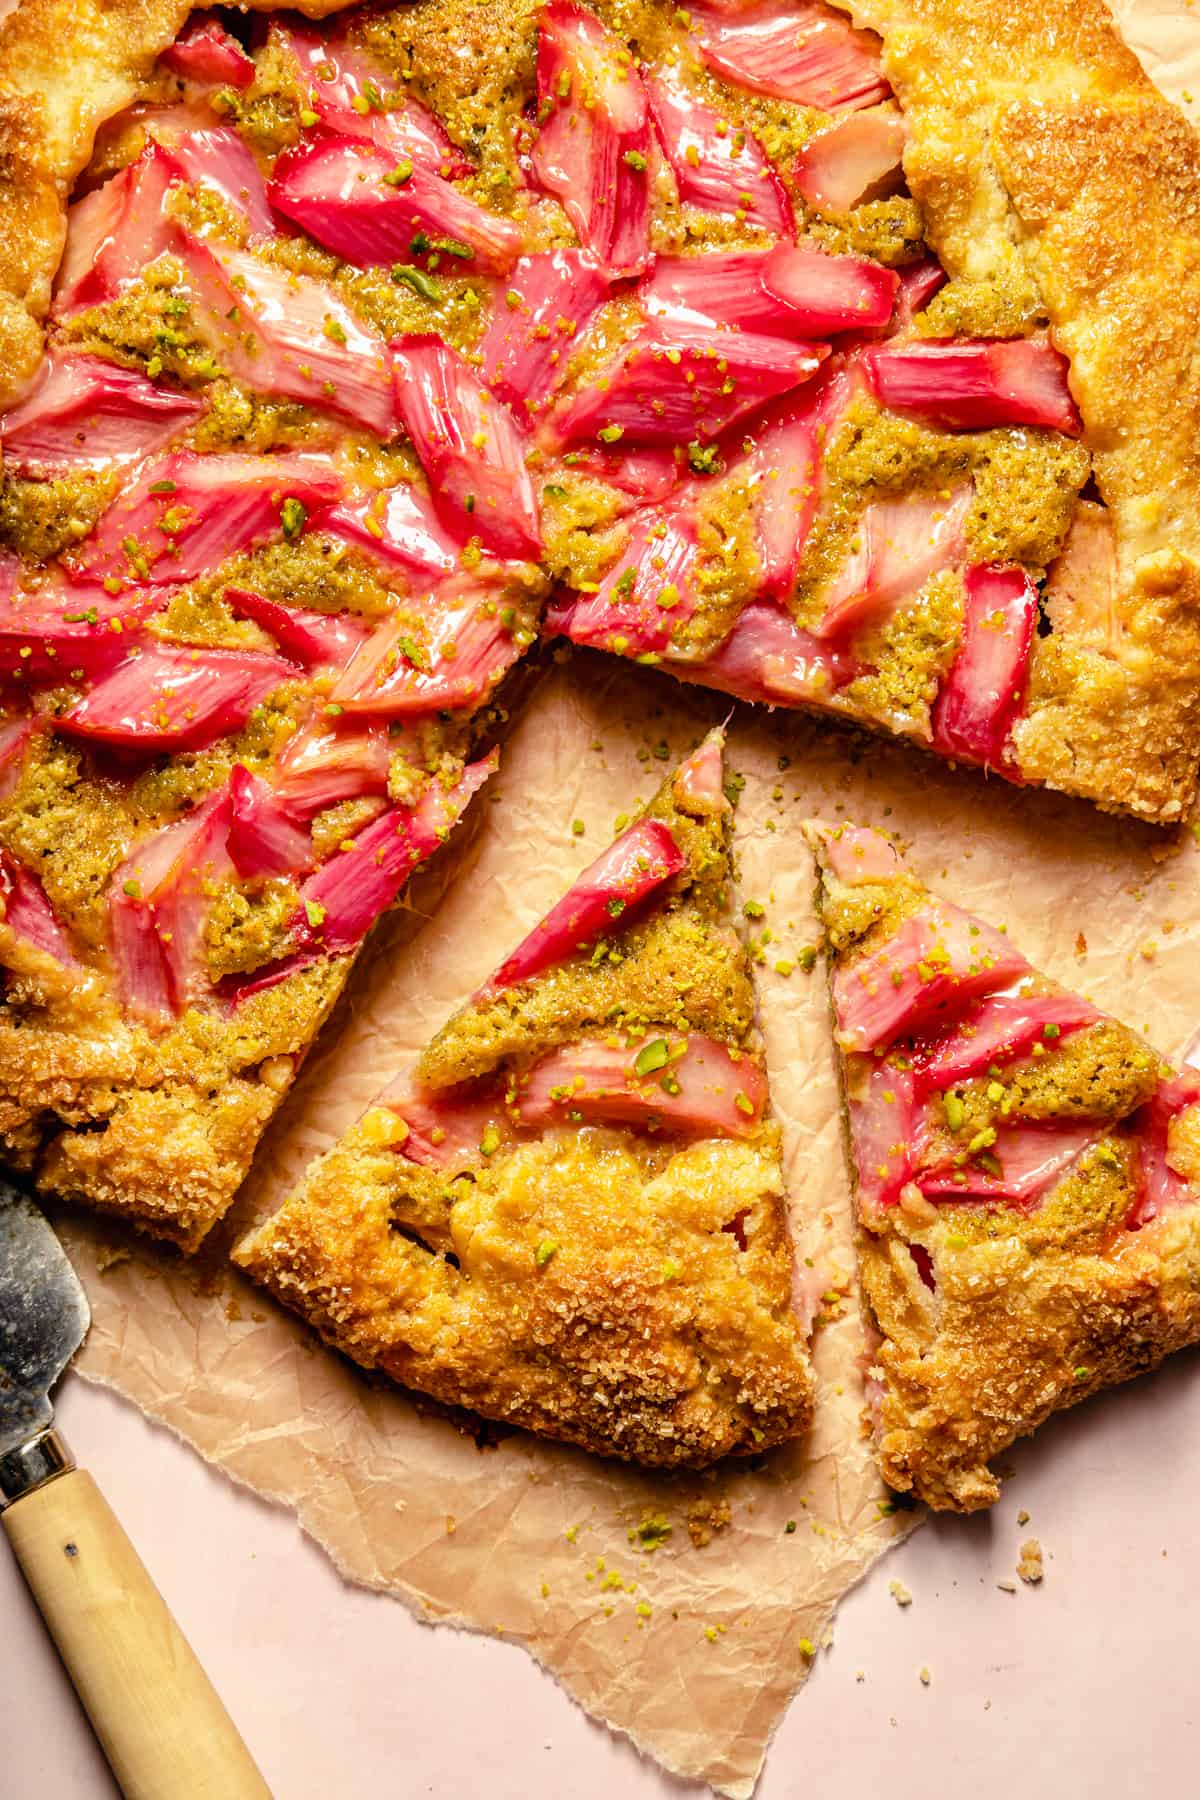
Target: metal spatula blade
x=44 y=1317
x=159 y=1719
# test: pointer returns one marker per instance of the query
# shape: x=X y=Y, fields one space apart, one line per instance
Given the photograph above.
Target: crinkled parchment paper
x=693 y=1649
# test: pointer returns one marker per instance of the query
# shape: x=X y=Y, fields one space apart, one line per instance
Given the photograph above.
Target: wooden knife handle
x=157 y=1715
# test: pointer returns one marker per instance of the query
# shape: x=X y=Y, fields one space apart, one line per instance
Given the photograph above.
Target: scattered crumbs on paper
x=987 y=1706
x=654 y=1530
x=1006 y=1586
x=899 y=1593
x=1023 y=1517
x=451 y=1524
x=109 y=1258
x=1030 y=1568
x=926 y=1677
x=860 y=1674
x=705 y=1519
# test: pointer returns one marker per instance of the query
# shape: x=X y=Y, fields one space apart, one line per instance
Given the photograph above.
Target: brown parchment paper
x=692 y=1650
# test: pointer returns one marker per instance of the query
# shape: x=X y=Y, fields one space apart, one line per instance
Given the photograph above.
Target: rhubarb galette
x=366 y=333
x=569 y=1215
x=1026 y=1172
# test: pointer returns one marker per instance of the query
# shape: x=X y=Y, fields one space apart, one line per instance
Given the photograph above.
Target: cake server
x=157 y=1716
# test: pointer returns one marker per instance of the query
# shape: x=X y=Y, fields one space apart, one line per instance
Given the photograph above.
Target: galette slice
x=1027 y=1176
x=569 y=1215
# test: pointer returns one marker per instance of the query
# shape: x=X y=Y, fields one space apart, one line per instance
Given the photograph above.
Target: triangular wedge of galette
x=570 y=1214
x=1026 y=1170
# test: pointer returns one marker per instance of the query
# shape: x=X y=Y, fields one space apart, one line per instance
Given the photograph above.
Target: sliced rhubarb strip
x=351 y=94
x=1160 y=1186
x=718 y=166
x=787 y=292
x=679 y=382
x=329 y=761
x=345 y=897
x=67 y=632
x=928 y=972
x=468 y=445
x=447 y=1130
x=782 y=474
x=174 y=697
x=857 y=856
x=918 y=284
x=883 y=1117
x=15 y=739
x=217 y=158
x=1000 y=1028
x=357 y=200
x=645 y=475
x=464 y=650
x=971 y=385
x=838 y=167
x=692 y=1085
x=546 y=302
x=399 y=528
x=767 y=658
x=315 y=640
x=602 y=901
x=290 y=337
x=205 y=53
x=983 y=692
x=594 y=144
x=186 y=514
x=794 y=50
x=115 y=232
x=647 y=593
x=158 y=903
x=85 y=413
x=1018 y=1167
x=899 y=545
x=28 y=914
x=266 y=837
x=1083 y=585
x=700 y=780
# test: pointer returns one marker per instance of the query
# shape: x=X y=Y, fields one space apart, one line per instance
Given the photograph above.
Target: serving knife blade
x=44 y=1317
x=159 y=1720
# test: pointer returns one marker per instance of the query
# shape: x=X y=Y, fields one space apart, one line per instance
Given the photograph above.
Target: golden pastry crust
x=1040 y=151
x=648 y=1334
x=1021 y=1332
x=628 y=1292
x=53 y=99
x=1031 y=1309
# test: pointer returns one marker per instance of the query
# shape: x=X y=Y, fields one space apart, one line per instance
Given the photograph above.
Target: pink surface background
x=341 y=1693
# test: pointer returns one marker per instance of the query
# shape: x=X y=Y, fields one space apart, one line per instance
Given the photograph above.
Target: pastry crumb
x=1023 y=1517
x=926 y=1677
x=899 y=1593
x=1006 y=1586
x=705 y=1519
x=1030 y=1568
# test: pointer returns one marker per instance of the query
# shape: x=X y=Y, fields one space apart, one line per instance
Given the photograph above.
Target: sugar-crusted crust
x=1033 y=1311
x=1021 y=1333
x=614 y=1345
x=1038 y=144
x=65 y=67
